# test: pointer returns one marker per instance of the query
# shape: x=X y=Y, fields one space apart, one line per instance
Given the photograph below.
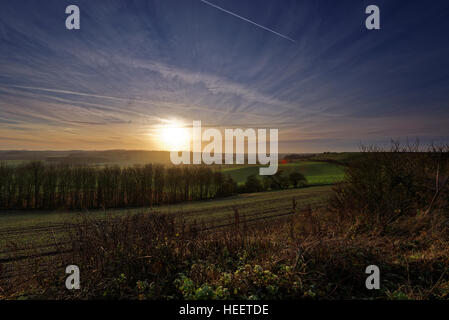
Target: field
x=313 y=242
x=210 y=209
x=317 y=173
x=25 y=234
x=40 y=227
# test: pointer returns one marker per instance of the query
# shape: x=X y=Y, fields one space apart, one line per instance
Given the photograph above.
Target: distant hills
x=131 y=157
x=121 y=157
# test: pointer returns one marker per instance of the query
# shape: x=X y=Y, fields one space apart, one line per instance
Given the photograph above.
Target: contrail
x=252 y=22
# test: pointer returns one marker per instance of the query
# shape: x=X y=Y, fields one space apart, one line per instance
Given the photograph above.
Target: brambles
x=382 y=186
x=150 y=256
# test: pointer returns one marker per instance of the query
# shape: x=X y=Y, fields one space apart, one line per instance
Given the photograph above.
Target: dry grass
x=313 y=254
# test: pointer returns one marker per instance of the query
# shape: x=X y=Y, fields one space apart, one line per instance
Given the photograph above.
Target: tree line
x=37 y=185
x=280 y=180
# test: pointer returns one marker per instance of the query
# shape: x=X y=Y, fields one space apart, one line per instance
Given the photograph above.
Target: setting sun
x=175 y=138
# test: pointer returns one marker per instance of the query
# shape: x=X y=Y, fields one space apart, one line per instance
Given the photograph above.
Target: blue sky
x=137 y=65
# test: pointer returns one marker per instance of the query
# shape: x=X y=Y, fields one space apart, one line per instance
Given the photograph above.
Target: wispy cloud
x=136 y=64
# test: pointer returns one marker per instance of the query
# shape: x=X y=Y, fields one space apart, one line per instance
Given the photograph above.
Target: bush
x=253 y=184
x=277 y=181
x=297 y=179
x=385 y=185
x=147 y=256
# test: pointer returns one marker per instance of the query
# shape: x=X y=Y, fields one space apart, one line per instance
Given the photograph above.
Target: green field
x=317 y=173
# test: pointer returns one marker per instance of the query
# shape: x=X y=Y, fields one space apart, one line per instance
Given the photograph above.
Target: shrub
x=297 y=179
x=253 y=184
x=383 y=186
x=277 y=181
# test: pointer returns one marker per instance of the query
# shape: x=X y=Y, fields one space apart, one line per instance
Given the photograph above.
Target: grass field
x=317 y=173
x=27 y=233
x=219 y=207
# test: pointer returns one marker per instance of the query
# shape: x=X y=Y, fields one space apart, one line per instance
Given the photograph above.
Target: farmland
x=22 y=227
x=26 y=234
x=294 y=243
x=199 y=209
x=317 y=173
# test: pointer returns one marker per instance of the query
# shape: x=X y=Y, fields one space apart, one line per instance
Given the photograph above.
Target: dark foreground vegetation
x=312 y=255
x=391 y=211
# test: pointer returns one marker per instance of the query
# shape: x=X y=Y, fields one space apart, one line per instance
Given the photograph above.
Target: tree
x=277 y=181
x=253 y=184
x=227 y=188
x=41 y=186
x=297 y=178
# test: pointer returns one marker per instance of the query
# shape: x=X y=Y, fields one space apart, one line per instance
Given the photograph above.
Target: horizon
x=164 y=151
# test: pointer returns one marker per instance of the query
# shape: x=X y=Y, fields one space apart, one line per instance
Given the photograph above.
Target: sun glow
x=175 y=138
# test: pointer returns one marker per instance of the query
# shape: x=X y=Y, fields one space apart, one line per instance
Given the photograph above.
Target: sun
x=175 y=138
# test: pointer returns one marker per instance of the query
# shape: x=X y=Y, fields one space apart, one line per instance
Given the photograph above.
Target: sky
x=308 y=68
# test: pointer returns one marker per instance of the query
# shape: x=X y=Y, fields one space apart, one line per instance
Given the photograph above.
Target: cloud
x=135 y=64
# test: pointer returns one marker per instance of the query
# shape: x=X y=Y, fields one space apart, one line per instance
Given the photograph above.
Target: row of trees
x=39 y=186
x=280 y=180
